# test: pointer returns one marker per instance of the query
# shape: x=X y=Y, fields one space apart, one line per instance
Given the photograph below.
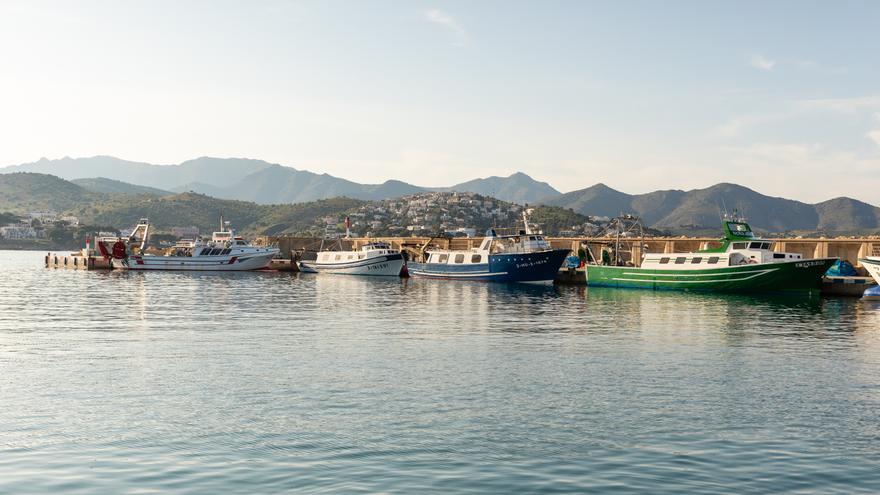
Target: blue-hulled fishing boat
x=524 y=257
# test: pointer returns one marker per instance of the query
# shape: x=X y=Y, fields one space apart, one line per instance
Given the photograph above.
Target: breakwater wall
x=849 y=249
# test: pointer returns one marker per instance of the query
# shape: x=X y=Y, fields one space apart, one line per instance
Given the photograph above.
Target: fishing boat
x=373 y=258
x=872 y=265
x=225 y=251
x=525 y=257
x=742 y=263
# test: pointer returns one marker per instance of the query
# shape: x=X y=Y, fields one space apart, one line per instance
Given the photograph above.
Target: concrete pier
x=846 y=248
x=76 y=261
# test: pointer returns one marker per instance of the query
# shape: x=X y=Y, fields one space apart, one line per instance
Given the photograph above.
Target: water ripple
x=273 y=383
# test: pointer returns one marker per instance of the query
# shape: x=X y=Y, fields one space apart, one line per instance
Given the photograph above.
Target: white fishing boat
x=374 y=258
x=225 y=251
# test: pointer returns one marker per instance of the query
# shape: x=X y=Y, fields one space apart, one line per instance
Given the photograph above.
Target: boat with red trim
x=225 y=251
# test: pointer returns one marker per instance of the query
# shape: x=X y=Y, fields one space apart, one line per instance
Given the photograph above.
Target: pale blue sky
x=783 y=97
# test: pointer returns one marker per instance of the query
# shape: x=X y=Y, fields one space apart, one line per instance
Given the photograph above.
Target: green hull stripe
x=751 y=275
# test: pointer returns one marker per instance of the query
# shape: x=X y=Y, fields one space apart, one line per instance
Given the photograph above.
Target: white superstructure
x=224 y=252
x=735 y=253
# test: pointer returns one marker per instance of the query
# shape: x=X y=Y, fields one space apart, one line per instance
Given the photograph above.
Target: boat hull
x=537 y=267
x=802 y=276
x=243 y=262
x=381 y=266
x=872 y=265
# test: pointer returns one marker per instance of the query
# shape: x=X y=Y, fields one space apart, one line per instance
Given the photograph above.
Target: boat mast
x=146 y=235
x=617 y=243
x=525 y=216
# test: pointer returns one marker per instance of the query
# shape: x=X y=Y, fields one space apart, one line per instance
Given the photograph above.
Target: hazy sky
x=783 y=97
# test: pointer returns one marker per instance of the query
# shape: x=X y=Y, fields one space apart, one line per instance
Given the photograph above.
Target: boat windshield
x=375 y=245
x=519 y=244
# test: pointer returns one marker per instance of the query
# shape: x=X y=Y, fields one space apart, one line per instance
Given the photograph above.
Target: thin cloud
x=447 y=21
x=737 y=126
x=761 y=62
x=843 y=105
x=874 y=134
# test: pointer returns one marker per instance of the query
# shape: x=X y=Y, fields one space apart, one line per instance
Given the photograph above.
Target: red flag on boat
x=347 y=222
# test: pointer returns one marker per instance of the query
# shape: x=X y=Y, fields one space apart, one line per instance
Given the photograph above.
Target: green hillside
x=204 y=212
x=104 y=185
x=23 y=192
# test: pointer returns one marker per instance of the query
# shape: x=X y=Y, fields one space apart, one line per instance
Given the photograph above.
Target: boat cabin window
x=663 y=261
x=338 y=257
x=443 y=258
x=740 y=245
x=713 y=260
x=776 y=256
x=459 y=258
x=697 y=260
x=477 y=258
x=680 y=260
x=760 y=245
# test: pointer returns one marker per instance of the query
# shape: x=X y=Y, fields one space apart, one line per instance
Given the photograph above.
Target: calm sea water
x=117 y=382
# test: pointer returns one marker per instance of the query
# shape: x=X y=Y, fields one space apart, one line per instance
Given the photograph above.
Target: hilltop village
x=456 y=213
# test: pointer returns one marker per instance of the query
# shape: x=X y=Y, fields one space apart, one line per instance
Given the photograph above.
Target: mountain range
x=26 y=192
x=694 y=211
x=263 y=182
x=700 y=209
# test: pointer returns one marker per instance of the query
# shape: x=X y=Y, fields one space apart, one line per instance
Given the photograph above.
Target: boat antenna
x=221 y=221
x=525 y=216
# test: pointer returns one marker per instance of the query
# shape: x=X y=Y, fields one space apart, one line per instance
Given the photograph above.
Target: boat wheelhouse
x=525 y=257
x=742 y=263
x=374 y=258
x=225 y=251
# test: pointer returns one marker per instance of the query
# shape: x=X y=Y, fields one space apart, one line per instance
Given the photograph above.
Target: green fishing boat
x=743 y=263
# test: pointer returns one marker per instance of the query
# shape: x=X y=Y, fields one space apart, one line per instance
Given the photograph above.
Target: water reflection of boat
x=743 y=263
x=224 y=252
